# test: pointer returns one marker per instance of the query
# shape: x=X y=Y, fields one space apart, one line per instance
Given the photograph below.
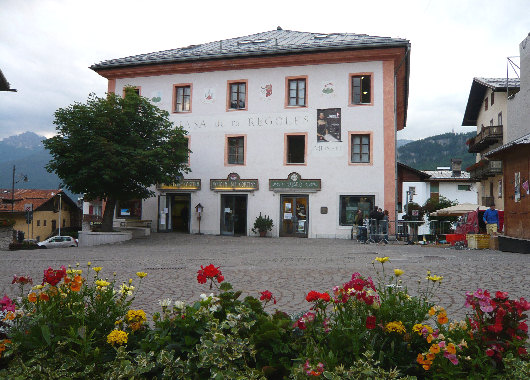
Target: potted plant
x=262 y=225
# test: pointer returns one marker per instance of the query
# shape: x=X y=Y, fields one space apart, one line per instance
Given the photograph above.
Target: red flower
x=267 y=296
x=501 y=295
x=325 y=297
x=523 y=327
x=54 y=276
x=312 y=296
x=370 y=322
x=23 y=280
x=521 y=351
x=490 y=352
x=209 y=273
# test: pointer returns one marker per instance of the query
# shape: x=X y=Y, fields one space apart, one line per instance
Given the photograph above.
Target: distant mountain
x=26 y=152
x=19 y=146
x=434 y=151
x=402 y=142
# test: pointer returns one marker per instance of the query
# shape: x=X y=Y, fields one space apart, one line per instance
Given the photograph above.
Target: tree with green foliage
x=115 y=149
x=437 y=203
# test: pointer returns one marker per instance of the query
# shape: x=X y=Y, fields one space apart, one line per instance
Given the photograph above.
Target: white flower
x=214 y=308
x=204 y=297
x=165 y=302
x=181 y=305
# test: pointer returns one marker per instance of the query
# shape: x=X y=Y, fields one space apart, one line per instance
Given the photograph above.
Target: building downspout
x=395 y=141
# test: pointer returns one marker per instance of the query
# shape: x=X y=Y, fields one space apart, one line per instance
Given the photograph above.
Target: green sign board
x=183 y=184
x=294 y=182
x=234 y=183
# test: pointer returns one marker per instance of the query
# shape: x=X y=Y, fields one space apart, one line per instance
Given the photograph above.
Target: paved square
x=288 y=267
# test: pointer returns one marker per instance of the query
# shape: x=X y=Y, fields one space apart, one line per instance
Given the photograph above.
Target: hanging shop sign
x=234 y=183
x=183 y=184
x=294 y=182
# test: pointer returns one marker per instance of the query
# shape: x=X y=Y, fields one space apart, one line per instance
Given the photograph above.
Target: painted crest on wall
x=328 y=88
x=208 y=96
x=266 y=91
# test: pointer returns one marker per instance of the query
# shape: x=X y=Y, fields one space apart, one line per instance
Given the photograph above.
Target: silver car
x=58 y=242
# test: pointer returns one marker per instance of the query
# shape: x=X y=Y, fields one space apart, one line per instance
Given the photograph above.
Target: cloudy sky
x=46 y=46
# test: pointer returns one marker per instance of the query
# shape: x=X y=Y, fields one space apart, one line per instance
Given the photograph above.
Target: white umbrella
x=458 y=210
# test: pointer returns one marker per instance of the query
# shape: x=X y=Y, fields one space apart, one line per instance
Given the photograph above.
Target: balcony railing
x=484 y=169
x=486 y=137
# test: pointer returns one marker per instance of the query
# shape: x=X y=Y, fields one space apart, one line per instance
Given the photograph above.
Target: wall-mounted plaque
x=182 y=184
x=294 y=183
x=234 y=183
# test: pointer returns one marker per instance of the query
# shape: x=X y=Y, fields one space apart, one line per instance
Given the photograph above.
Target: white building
x=449 y=182
x=298 y=126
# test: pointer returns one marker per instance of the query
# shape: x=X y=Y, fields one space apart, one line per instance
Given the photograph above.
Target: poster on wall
x=328 y=125
x=517 y=184
x=328 y=88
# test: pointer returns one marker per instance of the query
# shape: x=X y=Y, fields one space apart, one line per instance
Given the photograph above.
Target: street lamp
x=24 y=178
x=60 y=207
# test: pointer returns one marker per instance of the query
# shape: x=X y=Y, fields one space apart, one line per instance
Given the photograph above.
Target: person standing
x=491 y=218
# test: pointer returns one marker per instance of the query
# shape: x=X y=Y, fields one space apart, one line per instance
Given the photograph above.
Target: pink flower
x=452 y=358
x=7 y=304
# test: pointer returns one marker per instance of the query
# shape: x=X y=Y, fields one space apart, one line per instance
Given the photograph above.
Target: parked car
x=58 y=242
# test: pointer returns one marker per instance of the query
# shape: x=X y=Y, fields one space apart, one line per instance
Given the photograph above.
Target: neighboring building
x=45 y=204
x=297 y=126
x=4 y=84
x=515 y=156
x=487 y=110
x=421 y=185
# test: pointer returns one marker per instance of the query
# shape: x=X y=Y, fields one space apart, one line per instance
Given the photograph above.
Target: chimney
x=456 y=166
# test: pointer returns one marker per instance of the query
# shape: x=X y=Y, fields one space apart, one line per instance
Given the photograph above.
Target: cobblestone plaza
x=288 y=267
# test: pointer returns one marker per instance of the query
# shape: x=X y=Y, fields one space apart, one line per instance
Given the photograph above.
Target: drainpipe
x=395 y=139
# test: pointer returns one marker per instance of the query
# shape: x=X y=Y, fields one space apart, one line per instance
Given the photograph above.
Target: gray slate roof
x=498 y=83
x=266 y=43
x=447 y=175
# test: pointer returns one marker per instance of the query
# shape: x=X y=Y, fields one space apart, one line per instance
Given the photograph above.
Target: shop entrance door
x=180 y=212
x=294 y=215
x=234 y=215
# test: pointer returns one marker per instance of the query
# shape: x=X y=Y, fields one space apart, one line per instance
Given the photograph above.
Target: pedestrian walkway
x=288 y=267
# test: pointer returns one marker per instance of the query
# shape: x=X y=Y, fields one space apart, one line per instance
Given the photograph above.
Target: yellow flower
x=102 y=284
x=97 y=269
x=382 y=259
x=141 y=274
x=442 y=318
x=432 y=311
x=451 y=348
x=398 y=272
x=117 y=337
x=89 y=263
x=395 y=327
x=434 y=349
x=435 y=278
x=37 y=287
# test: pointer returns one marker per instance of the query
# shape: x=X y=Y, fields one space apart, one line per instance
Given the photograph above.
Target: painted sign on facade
x=294 y=181
x=234 y=183
x=328 y=125
x=244 y=122
x=183 y=184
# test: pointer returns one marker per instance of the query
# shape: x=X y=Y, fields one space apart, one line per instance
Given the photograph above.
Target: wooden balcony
x=485 y=169
x=487 y=136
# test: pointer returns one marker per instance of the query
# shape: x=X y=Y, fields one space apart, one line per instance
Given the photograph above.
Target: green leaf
x=46 y=334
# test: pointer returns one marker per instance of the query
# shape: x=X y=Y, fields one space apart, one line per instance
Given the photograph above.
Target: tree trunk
x=108 y=215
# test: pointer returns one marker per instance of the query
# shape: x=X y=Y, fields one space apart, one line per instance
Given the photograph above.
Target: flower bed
x=79 y=324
